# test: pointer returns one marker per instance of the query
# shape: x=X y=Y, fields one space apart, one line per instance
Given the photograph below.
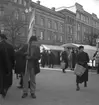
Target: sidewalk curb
x=58 y=69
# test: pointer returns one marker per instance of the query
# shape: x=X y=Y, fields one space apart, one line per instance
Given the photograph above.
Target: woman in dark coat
x=82 y=59
x=20 y=64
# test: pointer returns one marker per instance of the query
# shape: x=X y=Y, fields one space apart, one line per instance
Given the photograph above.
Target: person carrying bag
x=81 y=68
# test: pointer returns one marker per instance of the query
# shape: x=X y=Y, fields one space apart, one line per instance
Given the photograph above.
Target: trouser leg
x=25 y=81
x=77 y=83
x=78 y=88
x=85 y=83
x=32 y=81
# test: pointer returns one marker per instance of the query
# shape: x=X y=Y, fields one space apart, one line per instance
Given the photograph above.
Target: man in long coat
x=6 y=65
x=33 y=57
x=82 y=59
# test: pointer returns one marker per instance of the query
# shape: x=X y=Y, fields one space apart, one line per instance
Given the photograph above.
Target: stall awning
x=71 y=45
x=52 y=47
x=87 y=48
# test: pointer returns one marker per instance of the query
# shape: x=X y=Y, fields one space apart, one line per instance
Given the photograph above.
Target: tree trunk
x=13 y=39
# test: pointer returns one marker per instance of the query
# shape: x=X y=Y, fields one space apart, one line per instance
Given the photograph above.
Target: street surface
x=56 y=88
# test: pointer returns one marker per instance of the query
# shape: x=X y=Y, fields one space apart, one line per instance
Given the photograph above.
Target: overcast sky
x=91 y=6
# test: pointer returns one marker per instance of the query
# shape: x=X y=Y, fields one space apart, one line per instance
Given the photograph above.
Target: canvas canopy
x=87 y=48
x=70 y=45
x=52 y=47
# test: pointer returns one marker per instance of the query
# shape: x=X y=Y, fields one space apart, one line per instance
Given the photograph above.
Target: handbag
x=79 y=70
x=63 y=64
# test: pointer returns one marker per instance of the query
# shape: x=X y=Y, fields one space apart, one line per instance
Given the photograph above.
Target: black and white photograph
x=49 y=52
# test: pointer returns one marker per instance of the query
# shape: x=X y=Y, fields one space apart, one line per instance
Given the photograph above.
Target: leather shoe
x=33 y=95
x=24 y=95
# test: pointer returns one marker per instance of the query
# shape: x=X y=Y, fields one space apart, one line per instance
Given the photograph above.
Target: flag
x=32 y=22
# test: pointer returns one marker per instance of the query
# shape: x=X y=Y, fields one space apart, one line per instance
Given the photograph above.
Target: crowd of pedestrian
x=25 y=62
x=47 y=58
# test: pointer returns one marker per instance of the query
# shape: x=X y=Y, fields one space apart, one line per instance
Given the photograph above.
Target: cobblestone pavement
x=56 y=88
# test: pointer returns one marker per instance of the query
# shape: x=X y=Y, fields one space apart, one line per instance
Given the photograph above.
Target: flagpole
x=29 y=35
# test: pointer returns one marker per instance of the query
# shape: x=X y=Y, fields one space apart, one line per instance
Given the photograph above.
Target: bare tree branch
x=12 y=25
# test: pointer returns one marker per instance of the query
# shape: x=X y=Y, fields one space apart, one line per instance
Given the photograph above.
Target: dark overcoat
x=20 y=61
x=73 y=59
x=51 y=58
x=43 y=58
x=6 y=64
x=83 y=59
x=34 y=59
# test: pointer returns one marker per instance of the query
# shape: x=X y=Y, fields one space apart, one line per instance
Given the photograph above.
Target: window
x=78 y=15
x=87 y=20
x=23 y=16
x=16 y=15
x=84 y=29
x=78 y=27
x=61 y=38
x=71 y=30
x=49 y=23
x=55 y=25
x=49 y=35
x=82 y=17
x=41 y=35
x=54 y=36
x=42 y=21
x=61 y=27
x=78 y=36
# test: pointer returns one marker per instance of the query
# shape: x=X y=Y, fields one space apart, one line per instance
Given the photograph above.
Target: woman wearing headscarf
x=82 y=59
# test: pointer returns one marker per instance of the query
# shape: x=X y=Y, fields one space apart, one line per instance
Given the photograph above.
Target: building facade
x=70 y=24
x=49 y=25
x=87 y=25
x=53 y=26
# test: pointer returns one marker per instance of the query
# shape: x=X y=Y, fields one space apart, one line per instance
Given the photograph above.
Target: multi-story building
x=49 y=25
x=87 y=25
x=70 y=24
x=53 y=26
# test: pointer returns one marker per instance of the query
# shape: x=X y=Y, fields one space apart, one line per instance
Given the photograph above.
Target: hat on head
x=3 y=36
x=33 y=38
x=80 y=47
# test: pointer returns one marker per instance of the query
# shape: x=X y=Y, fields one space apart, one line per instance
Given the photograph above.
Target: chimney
x=53 y=8
x=38 y=2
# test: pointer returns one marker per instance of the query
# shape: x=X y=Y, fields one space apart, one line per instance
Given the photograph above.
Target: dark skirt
x=83 y=78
